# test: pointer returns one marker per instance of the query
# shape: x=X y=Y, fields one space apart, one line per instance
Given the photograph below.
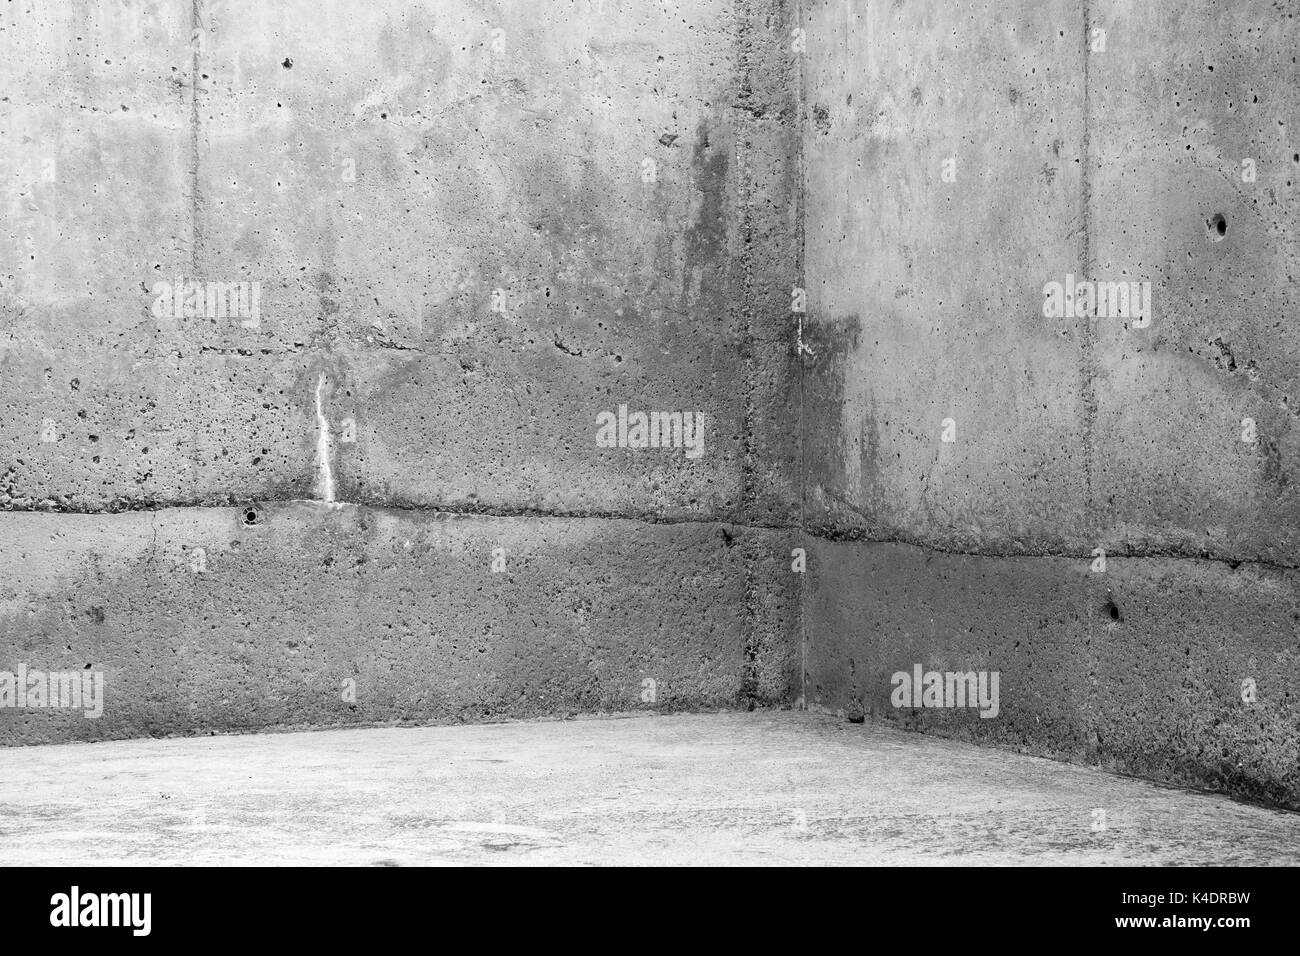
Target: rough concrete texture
x=475 y=226
x=1070 y=434
x=315 y=616
x=922 y=295
x=1139 y=670
x=483 y=225
x=959 y=158
x=757 y=789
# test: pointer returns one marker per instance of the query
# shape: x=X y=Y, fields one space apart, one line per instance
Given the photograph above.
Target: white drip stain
x=324 y=474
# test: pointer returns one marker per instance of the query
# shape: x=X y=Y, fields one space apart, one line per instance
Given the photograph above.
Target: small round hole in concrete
x=1217 y=227
x=1113 y=610
x=252 y=516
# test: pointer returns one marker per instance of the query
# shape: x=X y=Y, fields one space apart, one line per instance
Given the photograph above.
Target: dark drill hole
x=287 y=64
x=1218 y=226
x=251 y=516
x=1113 y=609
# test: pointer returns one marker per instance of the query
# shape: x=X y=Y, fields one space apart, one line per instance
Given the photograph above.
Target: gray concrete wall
x=475 y=226
x=381 y=169
x=1103 y=140
x=312 y=617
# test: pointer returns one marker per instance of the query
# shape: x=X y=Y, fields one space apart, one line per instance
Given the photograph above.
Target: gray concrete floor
x=758 y=788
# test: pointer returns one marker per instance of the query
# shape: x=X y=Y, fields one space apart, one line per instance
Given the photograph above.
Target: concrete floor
x=762 y=788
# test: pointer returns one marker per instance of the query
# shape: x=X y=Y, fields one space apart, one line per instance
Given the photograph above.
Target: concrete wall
x=1104 y=140
x=312 y=617
x=381 y=169
x=475 y=226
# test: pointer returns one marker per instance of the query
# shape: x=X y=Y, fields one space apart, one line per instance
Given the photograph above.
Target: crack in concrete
x=851 y=536
x=821 y=532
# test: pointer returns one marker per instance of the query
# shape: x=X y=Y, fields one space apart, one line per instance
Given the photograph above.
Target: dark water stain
x=706 y=237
